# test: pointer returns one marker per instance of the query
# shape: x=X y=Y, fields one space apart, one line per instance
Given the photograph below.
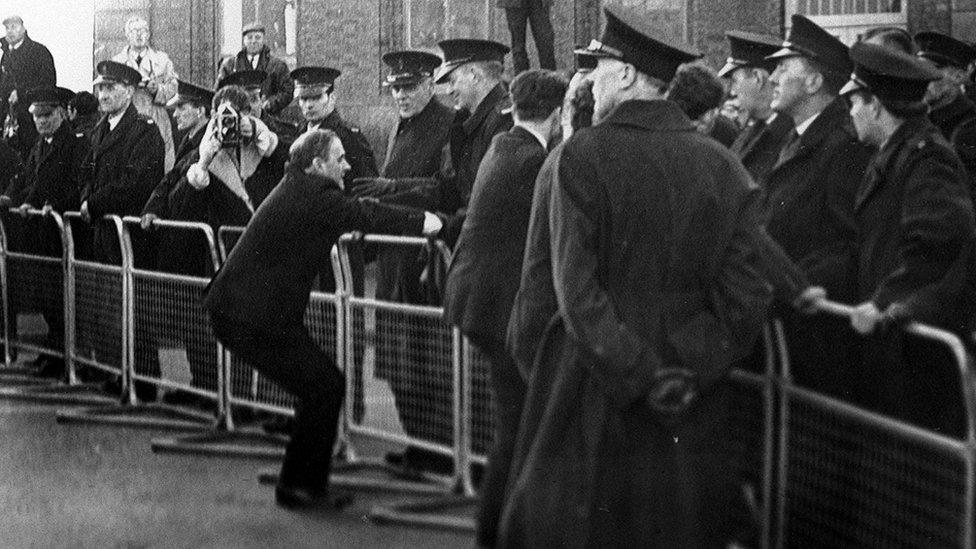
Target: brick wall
x=933 y=15
x=709 y=20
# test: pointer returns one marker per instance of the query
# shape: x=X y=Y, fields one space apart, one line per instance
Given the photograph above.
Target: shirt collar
x=803 y=126
x=541 y=138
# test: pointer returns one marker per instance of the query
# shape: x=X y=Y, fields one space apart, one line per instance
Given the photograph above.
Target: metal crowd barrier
x=849 y=476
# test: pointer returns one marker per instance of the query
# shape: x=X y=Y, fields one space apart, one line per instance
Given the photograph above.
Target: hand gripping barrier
x=36 y=247
x=850 y=476
x=248 y=394
x=103 y=311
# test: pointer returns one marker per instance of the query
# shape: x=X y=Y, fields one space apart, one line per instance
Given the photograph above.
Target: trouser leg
x=543 y=34
x=517 y=20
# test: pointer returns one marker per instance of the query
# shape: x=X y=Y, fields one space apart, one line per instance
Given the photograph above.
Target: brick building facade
x=352 y=34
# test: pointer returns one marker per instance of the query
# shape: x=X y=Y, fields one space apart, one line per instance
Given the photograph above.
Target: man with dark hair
x=949 y=108
x=487 y=261
x=810 y=197
x=750 y=87
x=25 y=65
x=699 y=93
x=519 y=14
x=251 y=82
x=916 y=236
x=277 y=87
x=624 y=439
x=257 y=301
x=83 y=114
x=50 y=181
x=472 y=70
x=315 y=91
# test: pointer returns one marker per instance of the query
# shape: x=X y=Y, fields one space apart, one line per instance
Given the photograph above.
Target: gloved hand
x=147 y=221
x=808 y=300
x=5 y=201
x=372 y=186
x=672 y=391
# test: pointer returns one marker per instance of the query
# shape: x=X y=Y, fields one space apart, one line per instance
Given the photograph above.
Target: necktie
x=138 y=60
x=792 y=144
x=254 y=61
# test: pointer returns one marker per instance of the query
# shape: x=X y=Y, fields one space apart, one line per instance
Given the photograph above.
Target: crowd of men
x=619 y=239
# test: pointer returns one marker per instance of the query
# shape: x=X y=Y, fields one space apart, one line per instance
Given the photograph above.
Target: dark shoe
x=279 y=425
x=428 y=461
x=50 y=367
x=296 y=499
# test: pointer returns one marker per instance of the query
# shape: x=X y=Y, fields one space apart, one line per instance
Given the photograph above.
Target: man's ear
x=814 y=81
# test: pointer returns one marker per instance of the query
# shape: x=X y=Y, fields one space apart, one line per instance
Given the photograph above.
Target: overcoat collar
x=57 y=141
x=885 y=159
x=105 y=139
x=833 y=116
x=658 y=115
x=488 y=104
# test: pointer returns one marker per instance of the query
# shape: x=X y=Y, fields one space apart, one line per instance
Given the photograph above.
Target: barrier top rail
x=206 y=229
x=35 y=212
x=115 y=220
x=948 y=339
x=222 y=242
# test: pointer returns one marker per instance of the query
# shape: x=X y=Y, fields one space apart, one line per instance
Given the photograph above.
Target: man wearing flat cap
x=624 y=434
x=25 y=65
x=125 y=161
x=472 y=70
x=916 y=234
x=277 y=86
x=50 y=180
x=748 y=71
x=251 y=81
x=414 y=150
x=810 y=196
x=315 y=92
x=949 y=108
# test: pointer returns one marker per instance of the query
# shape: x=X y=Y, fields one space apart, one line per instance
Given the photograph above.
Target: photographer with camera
x=251 y=82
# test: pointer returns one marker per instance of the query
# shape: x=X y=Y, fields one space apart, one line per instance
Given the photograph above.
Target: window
x=849 y=18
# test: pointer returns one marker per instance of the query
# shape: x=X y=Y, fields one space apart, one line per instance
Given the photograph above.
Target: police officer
x=950 y=110
x=315 y=91
x=916 y=232
x=748 y=70
x=191 y=108
x=624 y=432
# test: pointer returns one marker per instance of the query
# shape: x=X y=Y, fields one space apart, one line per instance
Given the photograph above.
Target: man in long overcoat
x=915 y=241
x=25 y=65
x=487 y=262
x=624 y=435
x=810 y=191
x=258 y=299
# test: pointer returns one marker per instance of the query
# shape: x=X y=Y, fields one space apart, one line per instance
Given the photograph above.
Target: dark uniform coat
x=916 y=239
x=53 y=172
x=120 y=172
x=470 y=136
x=810 y=214
x=758 y=145
x=277 y=86
x=957 y=122
x=268 y=276
x=653 y=267
x=359 y=154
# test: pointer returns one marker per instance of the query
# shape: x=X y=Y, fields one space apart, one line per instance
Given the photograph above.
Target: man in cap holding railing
x=949 y=108
x=748 y=70
x=472 y=70
x=414 y=150
x=917 y=233
x=257 y=301
x=276 y=86
x=810 y=196
x=625 y=438
x=125 y=161
x=50 y=180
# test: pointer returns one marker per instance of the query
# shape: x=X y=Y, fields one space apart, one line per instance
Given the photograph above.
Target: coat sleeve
x=369 y=216
x=22 y=183
x=284 y=86
x=936 y=225
x=135 y=180
x=627 y=362
x=226 y=69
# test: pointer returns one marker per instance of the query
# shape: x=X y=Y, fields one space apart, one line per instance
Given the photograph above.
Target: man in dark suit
x=50 y=180
x=519 y=14
x=472 y=70
x=276 y=86
x=748 y=70
x=810 y=197
x=487 y=262
x=625 y=434
x=125 y=160
x=257 y=301
x=191 y=109
x=25 y=65
x=916 y=239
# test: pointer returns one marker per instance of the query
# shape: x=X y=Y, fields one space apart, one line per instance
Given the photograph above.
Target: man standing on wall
x=158 y=84
x=256 y=55
x=520 y=14
x=25 y=65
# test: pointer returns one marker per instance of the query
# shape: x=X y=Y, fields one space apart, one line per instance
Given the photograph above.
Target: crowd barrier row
x=820 y=471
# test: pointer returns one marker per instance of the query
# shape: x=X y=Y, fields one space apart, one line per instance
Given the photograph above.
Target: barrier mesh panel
x=413 y=353
x=174 y=341
x=35 y=285
x=98 y=316
x=852 y=482
x=482 y=402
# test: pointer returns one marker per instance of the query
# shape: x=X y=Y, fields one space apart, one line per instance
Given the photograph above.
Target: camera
x=229 y=123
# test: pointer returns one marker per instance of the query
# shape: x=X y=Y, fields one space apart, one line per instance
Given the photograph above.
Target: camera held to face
x=229 y=123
